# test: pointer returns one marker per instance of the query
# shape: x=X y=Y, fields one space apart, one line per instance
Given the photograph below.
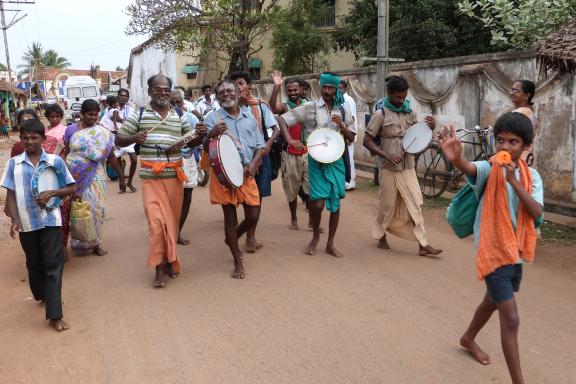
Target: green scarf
x=293 y=105
x=405 y=108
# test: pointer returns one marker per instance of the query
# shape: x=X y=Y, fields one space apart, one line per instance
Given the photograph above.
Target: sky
x=83 y=31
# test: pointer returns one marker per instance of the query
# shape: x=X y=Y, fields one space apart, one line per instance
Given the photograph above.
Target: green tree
x=518 y=24
x=223 y=31
x=298 y=44
x=419 y=30
x=119 y=69
x=35 y=58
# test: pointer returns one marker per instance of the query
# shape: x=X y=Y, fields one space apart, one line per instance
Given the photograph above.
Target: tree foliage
x=298 y=44
x=419 y=30
x=518 y=24
x=35 y=58
x=222 y=31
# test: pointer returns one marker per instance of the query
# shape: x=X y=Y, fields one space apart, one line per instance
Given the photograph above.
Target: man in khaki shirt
x=400 y=198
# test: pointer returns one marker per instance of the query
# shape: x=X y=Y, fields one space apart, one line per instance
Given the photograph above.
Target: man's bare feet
x=182 y=241
x=168 y=270
x=331 y=250
x=59 y=324
x=294 y=225
x=252 y=247
x=160 y=279
x=476 y=352
x=238 y=271
x=99 y=251
x=428 y=251
x=311 y=248
x=122 y=191
x=311 y=228
x=132 y=188
x=383 y=243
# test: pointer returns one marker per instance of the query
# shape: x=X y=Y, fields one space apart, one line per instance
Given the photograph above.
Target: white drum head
x=325 y=145
x=47 y=180
x=417 y=138
x=231 y=162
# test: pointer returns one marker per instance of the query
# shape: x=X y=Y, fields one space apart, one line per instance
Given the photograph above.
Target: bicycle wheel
x=433 y=171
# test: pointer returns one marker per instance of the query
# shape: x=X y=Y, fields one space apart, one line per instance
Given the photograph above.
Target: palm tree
x=35 y=58
x=52 y=59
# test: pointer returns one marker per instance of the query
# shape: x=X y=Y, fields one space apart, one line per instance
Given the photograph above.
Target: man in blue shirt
x=241 y=125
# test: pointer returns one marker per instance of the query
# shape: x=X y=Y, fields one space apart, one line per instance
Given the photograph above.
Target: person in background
x=351 y=104
x=207 y=102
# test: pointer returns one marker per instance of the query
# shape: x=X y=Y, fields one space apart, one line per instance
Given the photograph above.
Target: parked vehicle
x=76 y=90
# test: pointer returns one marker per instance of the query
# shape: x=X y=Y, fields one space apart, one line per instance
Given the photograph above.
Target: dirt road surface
x=372 y=317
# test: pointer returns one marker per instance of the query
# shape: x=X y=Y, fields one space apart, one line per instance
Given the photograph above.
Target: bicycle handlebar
x=477 y=129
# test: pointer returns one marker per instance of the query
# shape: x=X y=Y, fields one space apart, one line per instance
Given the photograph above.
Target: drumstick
x=315 y=145
x=409 y=145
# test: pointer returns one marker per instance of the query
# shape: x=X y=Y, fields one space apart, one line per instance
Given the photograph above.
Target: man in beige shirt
x=400 y=198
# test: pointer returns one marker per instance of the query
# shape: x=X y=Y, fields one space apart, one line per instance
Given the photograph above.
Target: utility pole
x=4 y=29
x=382 y=47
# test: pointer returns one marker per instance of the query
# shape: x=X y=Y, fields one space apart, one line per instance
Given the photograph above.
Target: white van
x=76 y=90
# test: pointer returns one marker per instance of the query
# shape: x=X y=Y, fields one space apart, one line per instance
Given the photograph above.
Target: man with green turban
x=327 y=181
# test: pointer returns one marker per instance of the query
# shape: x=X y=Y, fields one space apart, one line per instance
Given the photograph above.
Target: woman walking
x=87 y=146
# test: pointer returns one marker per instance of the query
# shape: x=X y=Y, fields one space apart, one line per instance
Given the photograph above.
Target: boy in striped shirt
x=38 y=227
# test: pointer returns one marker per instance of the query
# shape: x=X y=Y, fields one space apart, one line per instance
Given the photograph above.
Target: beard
x=228 y=103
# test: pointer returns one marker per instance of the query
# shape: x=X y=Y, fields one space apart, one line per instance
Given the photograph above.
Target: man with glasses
x=157 y=131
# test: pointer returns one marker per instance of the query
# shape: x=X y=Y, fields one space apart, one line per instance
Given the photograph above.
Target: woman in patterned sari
x=88 y=145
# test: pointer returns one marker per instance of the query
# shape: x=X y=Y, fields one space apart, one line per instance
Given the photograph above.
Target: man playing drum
x=400 y=198
x=327 y=180
x=161 y=172
x=294 y=161
x=241 y=125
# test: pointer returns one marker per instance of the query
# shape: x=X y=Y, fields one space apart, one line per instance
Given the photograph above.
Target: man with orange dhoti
x=242 y=126
x=157 y=130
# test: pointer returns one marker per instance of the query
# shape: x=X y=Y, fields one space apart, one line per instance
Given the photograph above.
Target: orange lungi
x=247 y=194
x=162 y=199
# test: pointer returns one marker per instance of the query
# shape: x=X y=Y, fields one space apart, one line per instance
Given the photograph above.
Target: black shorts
x=503 y=282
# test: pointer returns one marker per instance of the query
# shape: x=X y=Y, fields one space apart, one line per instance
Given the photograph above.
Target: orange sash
x=159 y=166
x=499 y=245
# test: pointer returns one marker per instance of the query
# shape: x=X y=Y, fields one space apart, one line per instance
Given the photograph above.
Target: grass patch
x=558 y=233
x=366 y=185
x=438 y=202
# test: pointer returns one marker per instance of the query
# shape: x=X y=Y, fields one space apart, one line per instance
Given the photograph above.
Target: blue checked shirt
x=18 y=177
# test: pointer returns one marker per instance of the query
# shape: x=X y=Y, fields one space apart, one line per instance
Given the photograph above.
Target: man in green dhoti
x=327 y=181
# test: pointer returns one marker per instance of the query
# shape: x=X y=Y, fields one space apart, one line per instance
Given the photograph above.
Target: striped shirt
x=18 y=177
x=164 y=135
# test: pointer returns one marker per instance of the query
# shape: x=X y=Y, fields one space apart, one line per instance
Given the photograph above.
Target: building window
x=329 y=19
x=191 y=71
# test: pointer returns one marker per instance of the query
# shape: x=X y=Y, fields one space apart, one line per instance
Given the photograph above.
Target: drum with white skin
x=226 y=162
x=325 y=145
x=417 y=138
x=48 y=178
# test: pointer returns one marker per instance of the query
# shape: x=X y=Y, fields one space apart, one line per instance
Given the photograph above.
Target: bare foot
x=42 y=303
x=294 y=225
x=238 y=271
x=132 y=188
x=59 y=324
x=251 y=248
x=160 y=279
x=311 y=248
x=122 y=191
x=331 y=250
x=182 y=241
x=383 y=243
x=429 y=251
x=168 y=270
x=476 y=352
x=99 y=251
x=311 y=228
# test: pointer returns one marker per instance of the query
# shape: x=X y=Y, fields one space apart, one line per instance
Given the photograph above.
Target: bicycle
x=435 y=172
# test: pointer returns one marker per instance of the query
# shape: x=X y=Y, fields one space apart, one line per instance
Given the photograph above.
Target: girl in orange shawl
x=511 y=199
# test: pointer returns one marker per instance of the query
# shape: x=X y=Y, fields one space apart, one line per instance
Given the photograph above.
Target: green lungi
x=327 y=182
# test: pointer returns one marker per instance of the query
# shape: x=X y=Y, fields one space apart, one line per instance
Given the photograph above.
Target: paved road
x=372 y=317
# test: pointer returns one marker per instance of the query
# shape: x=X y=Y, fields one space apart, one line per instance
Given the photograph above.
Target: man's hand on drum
x=218 y=129
x=337 y=119
x=297 y=144
x=430 y=121
x=140 y=137
x=393 y=158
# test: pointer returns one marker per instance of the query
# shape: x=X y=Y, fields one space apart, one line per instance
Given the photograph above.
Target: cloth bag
x=82 y=226
x=461 y=212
